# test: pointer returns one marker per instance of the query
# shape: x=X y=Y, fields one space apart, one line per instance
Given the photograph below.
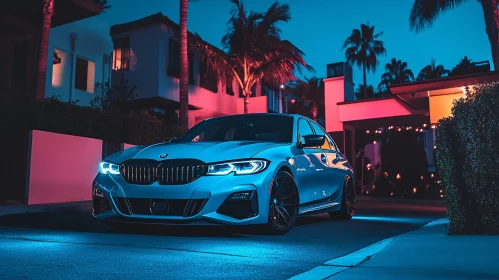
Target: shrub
x=21 y=113
x=467 y=153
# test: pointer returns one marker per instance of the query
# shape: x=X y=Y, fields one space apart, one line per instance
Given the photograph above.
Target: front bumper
x=207 y=200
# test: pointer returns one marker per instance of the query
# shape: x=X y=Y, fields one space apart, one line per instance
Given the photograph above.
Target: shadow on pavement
x=71 y=218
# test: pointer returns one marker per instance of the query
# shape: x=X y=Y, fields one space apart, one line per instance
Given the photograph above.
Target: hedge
x=467 y=158
x=21 y=113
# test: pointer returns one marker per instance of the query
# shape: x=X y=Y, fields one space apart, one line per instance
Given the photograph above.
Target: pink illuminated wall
x=257 y=104
x=333 y=94
x=62 y=167
x=372 y=109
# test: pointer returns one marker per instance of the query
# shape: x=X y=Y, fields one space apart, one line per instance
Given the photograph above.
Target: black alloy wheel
x=283 y=206
x=347 y=209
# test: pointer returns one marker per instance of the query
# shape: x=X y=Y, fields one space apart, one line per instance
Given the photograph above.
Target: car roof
x=295 y=116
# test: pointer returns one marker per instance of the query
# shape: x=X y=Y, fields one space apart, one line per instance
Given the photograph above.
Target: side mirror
x=170 y=140
x=313 y=140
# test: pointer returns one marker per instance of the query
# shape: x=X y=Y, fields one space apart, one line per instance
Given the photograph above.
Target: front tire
x=283 y=204
x=347 y=202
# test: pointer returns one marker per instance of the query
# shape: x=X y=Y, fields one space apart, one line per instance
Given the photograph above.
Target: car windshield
x=266 y=128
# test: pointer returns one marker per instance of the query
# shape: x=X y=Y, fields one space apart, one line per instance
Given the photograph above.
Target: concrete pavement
x=426 y=253
x=67 y=243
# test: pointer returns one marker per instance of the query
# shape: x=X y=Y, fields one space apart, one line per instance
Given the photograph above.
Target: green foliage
x=21 y=113
x=113 y=96
x=467 y=153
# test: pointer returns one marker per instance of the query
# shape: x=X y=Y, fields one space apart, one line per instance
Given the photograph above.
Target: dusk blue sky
x=319 y=28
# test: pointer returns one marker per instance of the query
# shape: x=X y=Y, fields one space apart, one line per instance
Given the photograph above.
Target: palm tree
x=465 y=66
x=424 y=13
x=308 y=96
x=432 y=71
x=363 y=48
x=254 y=50
x=41 y=68
x=396 y=73
x=366 y=92
x=184 y=68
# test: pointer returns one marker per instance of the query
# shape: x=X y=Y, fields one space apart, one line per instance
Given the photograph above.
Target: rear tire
x=283 y=204
x=347 y=209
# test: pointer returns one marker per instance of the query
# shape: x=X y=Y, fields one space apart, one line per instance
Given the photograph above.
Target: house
x=20 y=32
x=82 y=56
x=414 y=106
x=146 y=53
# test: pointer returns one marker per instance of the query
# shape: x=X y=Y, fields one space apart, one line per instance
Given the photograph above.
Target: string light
x=398 y=176
x=414 y=190
x=399 y=128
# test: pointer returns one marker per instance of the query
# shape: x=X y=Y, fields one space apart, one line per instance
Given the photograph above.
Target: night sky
x=319 y=28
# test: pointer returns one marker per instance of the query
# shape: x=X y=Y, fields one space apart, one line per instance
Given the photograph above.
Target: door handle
x=324 y=158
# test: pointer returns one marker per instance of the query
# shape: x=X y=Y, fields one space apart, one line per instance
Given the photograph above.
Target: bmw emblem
x=163 y=155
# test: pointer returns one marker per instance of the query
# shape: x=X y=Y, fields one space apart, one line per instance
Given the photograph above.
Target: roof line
x=157 y=18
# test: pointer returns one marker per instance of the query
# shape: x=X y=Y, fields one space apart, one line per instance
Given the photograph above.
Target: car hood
x=205 y=151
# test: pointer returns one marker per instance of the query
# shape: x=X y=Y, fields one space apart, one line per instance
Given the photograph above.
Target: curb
x=340 y=264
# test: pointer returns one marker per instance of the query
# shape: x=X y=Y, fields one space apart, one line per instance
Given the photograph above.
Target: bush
x=467 y=153
x=21 y=113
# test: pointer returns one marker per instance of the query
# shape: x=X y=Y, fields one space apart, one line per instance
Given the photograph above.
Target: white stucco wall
x=93 y=43
x=149 y=52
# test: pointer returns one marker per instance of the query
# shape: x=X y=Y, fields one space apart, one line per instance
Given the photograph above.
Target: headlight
x=108 y=167
x=238 y=167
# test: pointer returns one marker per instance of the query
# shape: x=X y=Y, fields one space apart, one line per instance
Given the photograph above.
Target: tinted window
x=304 y=129
x=266 y=128
x=331 y=143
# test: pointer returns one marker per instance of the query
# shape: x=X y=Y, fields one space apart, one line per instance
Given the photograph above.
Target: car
x=261 y=170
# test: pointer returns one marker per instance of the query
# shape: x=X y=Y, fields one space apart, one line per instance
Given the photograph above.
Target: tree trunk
x=491 y=15
x=41 y=69
x=246 y=101
x=184 y=68
x=364 y=69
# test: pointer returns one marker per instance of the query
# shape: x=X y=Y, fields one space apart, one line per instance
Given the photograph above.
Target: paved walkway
x=23 y=208
x=426 y=253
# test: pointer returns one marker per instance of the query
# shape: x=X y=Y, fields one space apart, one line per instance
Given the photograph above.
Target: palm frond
x=425 y=12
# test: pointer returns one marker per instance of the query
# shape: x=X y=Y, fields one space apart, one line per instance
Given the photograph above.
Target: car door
x=329 y=175
x=313 y=167
x=306 y=164
x=336 y=162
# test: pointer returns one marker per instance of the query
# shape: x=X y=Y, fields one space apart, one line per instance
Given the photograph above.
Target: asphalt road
x=69 y=244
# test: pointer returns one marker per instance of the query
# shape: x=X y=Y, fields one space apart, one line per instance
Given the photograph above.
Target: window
x=242 y=128
x=320 y=131
x=331 y=143
x=121 y=54
x=228 y=86
x=84 y=75
x=304 y=129
x=174 y=58
x=208 y=78
x=174 y=61
x=191 y=68
x=58 y=67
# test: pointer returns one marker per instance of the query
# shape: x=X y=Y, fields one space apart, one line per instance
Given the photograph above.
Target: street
x=69 y=244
